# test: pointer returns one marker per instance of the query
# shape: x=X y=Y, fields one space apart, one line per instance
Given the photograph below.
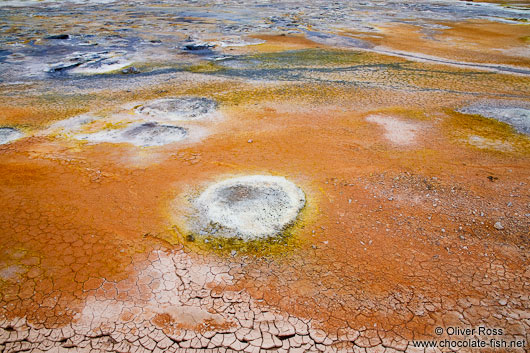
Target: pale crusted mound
x=145 y=135
x=249 y=207
x=175 y=109
x=71 y=125
x=8 y=134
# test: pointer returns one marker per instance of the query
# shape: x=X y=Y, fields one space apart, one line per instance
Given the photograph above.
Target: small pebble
x=130 y=70
x=498 y=225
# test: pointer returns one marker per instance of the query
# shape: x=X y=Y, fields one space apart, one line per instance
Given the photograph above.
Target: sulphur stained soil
x=398 y=129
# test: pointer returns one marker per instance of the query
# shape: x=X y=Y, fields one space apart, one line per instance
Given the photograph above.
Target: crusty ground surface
x=395 y=240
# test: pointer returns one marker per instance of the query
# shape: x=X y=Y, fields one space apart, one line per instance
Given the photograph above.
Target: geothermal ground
x=264 y=176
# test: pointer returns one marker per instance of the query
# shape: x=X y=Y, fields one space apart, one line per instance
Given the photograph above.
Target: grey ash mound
x=91 y=62
x=178 y=109
x=144 y=134
x=8 y=134
x=248 y=207
x=515 y=115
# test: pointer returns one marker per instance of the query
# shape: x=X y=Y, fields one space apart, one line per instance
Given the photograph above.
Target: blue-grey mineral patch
x=178 y=109
x=514 y=115
x=143 y=134
x=8 y=134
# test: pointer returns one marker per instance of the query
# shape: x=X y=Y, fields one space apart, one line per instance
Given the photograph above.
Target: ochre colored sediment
x=476 y=41
x=393 y=238
x=84 y=214
x=278 y=43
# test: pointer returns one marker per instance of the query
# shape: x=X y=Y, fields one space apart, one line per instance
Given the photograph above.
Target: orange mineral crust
x=470 y=41
x=397 y=236
x=304 y=181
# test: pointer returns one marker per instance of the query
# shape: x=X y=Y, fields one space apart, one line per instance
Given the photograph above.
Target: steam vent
x=249 y=207
x=244 y=176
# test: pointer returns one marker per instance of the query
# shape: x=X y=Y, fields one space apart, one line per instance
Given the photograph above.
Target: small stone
x=233 y=253
x=130 y=70
x=498 y=225
x=59 y=36
x=503 y=302
x=196 y=46
x=250 y=141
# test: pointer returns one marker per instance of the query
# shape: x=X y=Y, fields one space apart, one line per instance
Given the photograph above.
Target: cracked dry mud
x=416 y=211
